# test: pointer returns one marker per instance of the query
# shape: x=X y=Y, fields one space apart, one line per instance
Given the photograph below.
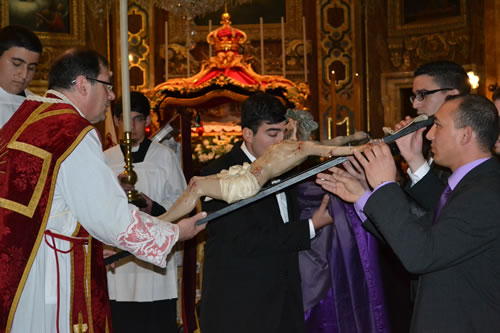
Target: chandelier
x=189 y=9
x=185 y=9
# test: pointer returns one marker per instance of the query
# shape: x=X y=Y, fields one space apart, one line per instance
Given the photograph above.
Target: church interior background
x=349 y=62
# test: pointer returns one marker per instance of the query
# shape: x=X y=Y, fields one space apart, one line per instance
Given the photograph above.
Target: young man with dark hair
x=455 y=246
x=58 y=202
x=20 y=51
x=144 y=297
x=496 y=99
x=251 y=278
x=433 y=82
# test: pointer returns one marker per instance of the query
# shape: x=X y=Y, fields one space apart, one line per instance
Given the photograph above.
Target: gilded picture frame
x=70 y=25
x=293 y=25
x=71 y=14
x=442 y=19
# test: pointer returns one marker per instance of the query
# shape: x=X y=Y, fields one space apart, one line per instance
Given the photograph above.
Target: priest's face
x=266 y=136
x=99 y=96
x=17 y=68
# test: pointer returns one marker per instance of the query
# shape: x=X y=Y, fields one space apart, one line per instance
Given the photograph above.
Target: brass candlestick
x=130 y=178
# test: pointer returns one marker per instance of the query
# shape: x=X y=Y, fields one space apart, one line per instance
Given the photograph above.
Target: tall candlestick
x=261 y=46
x=166 y=50
x=305 y=47
x=283 y=44
x=188 y=43
x=209 y=45
x=125 y=64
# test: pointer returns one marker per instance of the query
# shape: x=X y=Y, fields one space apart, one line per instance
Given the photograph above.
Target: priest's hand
x=188 y=228
x=321 y=216
x=378 y=164
x=342 y=184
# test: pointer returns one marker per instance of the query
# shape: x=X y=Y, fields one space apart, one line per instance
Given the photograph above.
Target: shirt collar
x=460 y=173
x=245 y=150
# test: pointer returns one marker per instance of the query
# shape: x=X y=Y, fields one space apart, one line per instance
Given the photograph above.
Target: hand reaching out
x=356 y=170
x=378 y=164
x=188 y=228
x=342 y=184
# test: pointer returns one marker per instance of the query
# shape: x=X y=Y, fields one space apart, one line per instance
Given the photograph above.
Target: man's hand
x=321 y=216
x=107 y=252
x=378 y=164
x=342 y=184
x=149 y=204
x=187 y=227
x=354 y=169
x=410 y=146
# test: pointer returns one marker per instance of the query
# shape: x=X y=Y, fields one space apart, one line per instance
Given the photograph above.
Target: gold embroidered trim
x=43 y=225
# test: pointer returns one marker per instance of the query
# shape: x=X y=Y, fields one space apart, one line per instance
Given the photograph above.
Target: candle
x=166 y=50
x=333 y=111
x=305 y=47
x=283 y=44
x=209 y=45
x=188 y=65
x=124 y=64
x=261 y=46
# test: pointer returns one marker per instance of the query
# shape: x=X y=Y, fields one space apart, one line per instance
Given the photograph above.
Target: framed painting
x=60 y=24
x=56 y=22
x=246 y=17
x=426 y=16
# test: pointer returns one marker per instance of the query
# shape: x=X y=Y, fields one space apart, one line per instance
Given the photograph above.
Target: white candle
x=283 y=44
x=125 y=64
x=188 y=65
x=166 y=50
x=261 y=46
x=209 y=45
x=305 y=47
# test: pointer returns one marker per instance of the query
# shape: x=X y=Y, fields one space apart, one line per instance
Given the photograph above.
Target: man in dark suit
x=455 y=247
x=251 y=279
x=432 y=83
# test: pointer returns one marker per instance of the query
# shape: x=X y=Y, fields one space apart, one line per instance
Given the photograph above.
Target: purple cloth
x=341 y=283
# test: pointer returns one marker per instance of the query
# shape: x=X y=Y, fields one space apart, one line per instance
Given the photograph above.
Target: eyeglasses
x=108 y=85
x=420 y=95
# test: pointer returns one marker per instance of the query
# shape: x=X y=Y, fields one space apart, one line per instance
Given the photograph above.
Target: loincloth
x=237 y=183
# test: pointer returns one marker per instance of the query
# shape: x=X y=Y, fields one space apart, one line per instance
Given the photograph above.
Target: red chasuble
x=33 y=144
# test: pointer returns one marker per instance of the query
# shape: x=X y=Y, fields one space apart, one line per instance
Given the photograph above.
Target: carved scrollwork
x=415 y=50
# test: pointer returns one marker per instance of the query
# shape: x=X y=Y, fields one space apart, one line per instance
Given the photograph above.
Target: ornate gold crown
x=226 y=38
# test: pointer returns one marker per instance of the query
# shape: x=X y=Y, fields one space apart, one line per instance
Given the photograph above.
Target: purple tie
x=442 y=201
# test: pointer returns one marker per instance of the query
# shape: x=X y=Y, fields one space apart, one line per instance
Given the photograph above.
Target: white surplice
x=159 y=177
x=86 y=191
x=9 y=103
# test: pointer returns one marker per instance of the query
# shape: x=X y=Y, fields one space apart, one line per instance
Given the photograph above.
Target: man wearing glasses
x=432 y=83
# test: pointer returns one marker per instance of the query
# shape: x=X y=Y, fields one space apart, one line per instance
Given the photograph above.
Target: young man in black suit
x=455 y=247
x=251 y=279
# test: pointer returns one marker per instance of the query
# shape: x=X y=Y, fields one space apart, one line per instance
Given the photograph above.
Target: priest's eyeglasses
x=420 y=95
x=107 y=84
